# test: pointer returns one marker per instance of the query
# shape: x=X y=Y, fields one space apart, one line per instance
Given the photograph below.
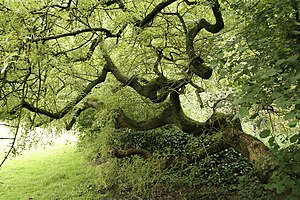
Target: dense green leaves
x=48 y=60
x=286 y=178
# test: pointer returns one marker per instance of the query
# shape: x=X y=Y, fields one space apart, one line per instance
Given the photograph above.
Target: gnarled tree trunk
x=233 y=136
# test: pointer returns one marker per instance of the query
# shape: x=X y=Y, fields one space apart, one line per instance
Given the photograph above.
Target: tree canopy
x=144 y=64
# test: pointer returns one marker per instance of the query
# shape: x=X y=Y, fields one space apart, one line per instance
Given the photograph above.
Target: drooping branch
x=94 y=44
x=197 y=65
x=180 y=19
x=149 y=17
x=47 y=113
x=74 y=118
x=89 y=103
x=107 y=32
x=69 y=106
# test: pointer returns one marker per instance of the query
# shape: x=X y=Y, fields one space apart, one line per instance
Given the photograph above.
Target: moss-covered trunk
x=233 y=136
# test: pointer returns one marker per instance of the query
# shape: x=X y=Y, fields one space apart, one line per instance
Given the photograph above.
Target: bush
x=285 y=181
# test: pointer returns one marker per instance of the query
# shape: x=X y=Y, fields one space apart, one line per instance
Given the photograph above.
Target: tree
x=60 y=58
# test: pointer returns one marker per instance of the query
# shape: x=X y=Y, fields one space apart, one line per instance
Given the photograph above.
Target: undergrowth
x=168 y=175
x=225 y=175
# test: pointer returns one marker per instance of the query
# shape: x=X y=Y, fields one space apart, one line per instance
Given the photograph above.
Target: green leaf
x=296 y=156
x=293 y=124
x=295 y=138
x=280 y=101
x=296 y=169
x=265 y=133
x=292 y=59
x=236 y=101
x=243 y=112
x=290 y=115
x=295 y=78
x=213 y=63
x=279 y=188
x=279 y=62
x=296 y=32
x=272 y=142
x=271 y=72
x=276 y=95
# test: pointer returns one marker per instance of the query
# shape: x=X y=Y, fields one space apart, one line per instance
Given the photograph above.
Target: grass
x=55 y=173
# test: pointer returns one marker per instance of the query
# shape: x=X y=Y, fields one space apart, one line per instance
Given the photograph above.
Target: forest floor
x=57 y=172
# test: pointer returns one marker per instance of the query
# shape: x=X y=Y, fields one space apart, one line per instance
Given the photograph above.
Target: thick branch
x=148 y=18
x=252 y=148
x=111 y=2
x=175 y=115
x=47 y=113
x=123 y=121
x=197 y=67
x=151 y=89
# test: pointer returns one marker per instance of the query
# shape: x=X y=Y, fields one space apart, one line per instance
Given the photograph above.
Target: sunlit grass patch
x=58 y=172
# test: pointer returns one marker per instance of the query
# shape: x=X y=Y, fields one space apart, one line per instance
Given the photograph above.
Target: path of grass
x=56 y=173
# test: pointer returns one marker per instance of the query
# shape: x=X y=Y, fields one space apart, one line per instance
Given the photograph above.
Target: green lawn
x=55 y=173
